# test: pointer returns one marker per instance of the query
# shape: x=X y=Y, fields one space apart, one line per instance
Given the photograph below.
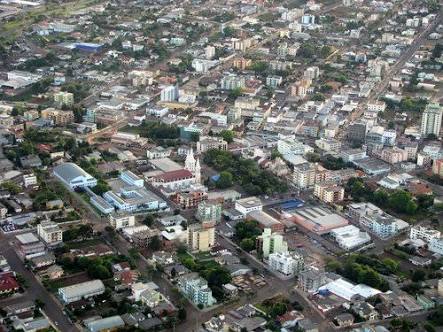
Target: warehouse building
x=73 y=176
x=82 y=290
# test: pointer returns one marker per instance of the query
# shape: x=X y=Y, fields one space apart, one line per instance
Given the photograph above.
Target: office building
x=248 y=204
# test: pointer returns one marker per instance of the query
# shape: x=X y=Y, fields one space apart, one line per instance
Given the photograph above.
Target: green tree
x=225 y=180
x=228 y=135
x=247 y=244
x=155 y=243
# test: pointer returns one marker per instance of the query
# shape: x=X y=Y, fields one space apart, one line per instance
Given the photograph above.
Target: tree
x=182 y=314
x=235 y=93
x=149 y=220
x=228 y=135
x=247 y=244
x=225 y=180
x=155 y=243
x=418 y=275
x=318 y=97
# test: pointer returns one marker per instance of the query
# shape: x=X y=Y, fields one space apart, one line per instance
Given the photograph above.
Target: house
x=345 y=319
x=42 y=260
x=8 y=283
x=364 y=310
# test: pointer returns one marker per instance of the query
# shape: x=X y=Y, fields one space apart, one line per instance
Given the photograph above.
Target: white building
x=431 y=120
x=170 y=93
x=50 y=232
x=424 y=233
x=248 y=204
x=82 y=290
x=29 y=180
x=436 y=246
x=121 y=221
x=286 y=263
x=132 y=179
x=73 y=176
x=350 y=237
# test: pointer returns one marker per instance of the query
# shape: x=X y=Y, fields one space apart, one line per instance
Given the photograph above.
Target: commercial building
x=82 y=290
x=289 y=264
x=128 y=194
x=270 y=243
x=350 y=237
x=29 y=244
x=349 y=291
x=329 y=192
x=200 y=236
x=196 y=289
x=266 y=221
x=248 y=204
x=431 y=120
x=50 y=232
x=318 y=220
x=73 y=176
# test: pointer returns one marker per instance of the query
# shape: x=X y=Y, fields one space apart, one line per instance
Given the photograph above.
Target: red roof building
x=8 y=283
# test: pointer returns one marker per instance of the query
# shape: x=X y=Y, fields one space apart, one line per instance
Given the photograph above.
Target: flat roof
x=27 y=238
x=165 y=164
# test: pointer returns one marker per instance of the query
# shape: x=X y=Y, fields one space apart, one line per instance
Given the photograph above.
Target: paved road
x=52 y=308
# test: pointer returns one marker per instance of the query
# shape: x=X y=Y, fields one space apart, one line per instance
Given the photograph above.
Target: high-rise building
x=201 y=236
x=431 y=120
x=286 y=263
x=63 y=98
x=209 y=211
x=270 y=243
x=437 y=167
x=170 y=93
x=210 y=52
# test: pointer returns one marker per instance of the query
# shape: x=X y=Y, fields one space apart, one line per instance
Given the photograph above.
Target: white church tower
x=190 y=162
x=193 y=166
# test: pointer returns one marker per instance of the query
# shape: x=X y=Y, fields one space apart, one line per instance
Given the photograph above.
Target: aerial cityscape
x=221 y=165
